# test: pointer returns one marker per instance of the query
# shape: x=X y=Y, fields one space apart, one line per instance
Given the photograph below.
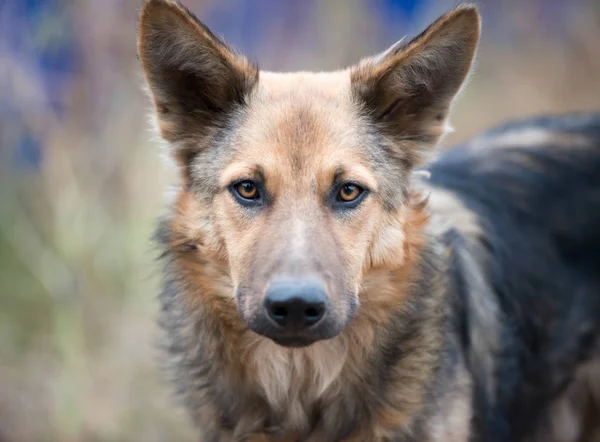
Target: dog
x=327 y=279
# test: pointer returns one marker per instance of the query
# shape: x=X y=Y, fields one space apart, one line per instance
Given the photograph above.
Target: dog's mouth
x=297 y=339
x=294 y=338
x=295 y=342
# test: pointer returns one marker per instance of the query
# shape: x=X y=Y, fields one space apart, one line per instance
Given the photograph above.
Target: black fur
x=539 y=207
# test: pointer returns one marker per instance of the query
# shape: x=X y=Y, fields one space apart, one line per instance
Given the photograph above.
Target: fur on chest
x=296 y=383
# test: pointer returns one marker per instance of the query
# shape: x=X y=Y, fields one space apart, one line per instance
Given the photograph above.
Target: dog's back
x=523 y=201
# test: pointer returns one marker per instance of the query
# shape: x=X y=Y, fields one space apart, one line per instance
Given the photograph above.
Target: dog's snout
x=296 y=311
x=296 y=304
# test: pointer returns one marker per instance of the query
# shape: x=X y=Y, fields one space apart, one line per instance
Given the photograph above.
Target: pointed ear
x=408 y=89
x=195 y=79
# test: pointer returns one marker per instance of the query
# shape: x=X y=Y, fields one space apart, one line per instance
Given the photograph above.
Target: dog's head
x=300 y=181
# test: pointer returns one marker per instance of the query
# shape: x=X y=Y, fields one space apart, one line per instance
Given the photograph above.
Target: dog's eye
x=247 y=190
x=349 y=193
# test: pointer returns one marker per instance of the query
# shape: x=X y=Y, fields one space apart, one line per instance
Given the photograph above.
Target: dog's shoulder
x=520 y=207
x=525 y=187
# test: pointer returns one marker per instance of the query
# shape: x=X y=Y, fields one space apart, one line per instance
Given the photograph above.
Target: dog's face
x=301 y=181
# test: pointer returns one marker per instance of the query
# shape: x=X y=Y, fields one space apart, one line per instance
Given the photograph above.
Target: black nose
x=296 y=304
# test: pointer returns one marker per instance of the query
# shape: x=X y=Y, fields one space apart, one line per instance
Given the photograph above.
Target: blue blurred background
x=81 y=184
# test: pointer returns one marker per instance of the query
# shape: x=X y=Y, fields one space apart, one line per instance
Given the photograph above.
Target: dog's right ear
x=195 y=79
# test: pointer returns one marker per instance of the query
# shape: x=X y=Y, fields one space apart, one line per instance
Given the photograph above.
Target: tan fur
x=453 y=423
x=530 y=137
x=449 y=212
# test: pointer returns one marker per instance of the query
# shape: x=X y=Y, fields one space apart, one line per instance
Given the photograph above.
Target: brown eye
x=349 y=192
x=247 y=190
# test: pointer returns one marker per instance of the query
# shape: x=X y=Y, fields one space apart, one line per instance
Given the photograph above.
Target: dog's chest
x=294 y=381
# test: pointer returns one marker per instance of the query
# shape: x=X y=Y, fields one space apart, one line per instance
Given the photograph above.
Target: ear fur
x=408 y=89
x=196 y=80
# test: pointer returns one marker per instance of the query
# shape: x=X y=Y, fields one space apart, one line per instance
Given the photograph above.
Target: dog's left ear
x=408 y=89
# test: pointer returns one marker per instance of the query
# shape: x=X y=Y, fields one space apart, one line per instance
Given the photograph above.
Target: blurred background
x=81 y=185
